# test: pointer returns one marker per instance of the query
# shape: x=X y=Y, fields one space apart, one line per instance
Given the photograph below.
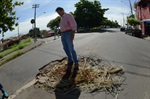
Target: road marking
x=21 y=89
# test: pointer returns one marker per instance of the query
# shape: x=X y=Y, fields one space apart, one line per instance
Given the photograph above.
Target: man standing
x=68 y=27
x=55 y=32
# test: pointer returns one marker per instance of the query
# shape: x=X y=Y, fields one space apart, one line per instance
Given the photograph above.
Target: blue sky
x=46 y=12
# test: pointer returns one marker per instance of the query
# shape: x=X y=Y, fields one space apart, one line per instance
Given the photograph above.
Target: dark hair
x=59 y=9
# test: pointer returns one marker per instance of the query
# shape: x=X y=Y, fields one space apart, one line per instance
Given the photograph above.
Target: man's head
x=60 y=11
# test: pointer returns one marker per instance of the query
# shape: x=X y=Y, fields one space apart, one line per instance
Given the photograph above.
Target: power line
x=47 y=5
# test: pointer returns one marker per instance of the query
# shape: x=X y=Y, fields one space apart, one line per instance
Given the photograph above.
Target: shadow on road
x=107 y=30
x=99 y=31
x=67 y=89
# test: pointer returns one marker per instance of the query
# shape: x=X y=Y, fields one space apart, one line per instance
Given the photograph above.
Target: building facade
x=142 y=9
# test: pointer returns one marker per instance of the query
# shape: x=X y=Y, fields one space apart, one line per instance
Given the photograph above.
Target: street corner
x=94 y=75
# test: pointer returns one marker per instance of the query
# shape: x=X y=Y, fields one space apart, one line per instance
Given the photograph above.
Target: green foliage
x=16 y=47
x=7 y=17
x=133 y=21
x=89 y=14
x=54 y=22
x=44 y=32
x=31 y=33
x=110 y=23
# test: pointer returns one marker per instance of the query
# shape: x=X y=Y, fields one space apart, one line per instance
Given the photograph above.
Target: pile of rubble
x=94 y=75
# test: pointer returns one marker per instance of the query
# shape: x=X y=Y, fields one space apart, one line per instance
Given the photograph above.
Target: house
x=6 y=44
x=142 y=9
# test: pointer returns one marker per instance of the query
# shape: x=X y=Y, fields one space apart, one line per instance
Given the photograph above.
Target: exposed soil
x=94 y=75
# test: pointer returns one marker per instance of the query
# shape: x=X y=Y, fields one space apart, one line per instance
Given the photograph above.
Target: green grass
x=11 y=58
x=16 y=47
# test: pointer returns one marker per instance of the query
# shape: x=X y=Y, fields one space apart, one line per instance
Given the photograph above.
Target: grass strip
x=16 y=47
x=11 y=58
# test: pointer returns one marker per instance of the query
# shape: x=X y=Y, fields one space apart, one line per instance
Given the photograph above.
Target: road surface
x=130 y=52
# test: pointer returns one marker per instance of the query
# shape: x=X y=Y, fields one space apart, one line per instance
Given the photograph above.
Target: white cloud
x=25 y=26
x=42 y=21
x=115 y=13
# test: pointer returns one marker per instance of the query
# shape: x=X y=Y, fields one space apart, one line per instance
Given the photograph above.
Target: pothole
x=94 y=75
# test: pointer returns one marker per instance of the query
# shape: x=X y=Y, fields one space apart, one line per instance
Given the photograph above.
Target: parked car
x=129 y=31
x=134 y=32
x=137 y=33
x=122 y=29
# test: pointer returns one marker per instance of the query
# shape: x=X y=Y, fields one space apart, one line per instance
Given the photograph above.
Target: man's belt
x=67 y=31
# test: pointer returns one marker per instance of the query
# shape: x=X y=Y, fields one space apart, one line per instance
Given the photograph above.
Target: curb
x=24 y=50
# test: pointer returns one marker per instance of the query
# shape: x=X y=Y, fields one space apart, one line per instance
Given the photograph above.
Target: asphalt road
x=130 y=52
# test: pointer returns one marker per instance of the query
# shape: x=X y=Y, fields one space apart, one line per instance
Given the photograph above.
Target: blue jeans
x=69 y=47
x=1 y=88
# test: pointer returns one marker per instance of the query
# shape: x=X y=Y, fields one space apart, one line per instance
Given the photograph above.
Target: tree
x=89 y=14
x=110 y=23
x=133 y=21
x=44 y=32
x=31 y=33
x=54 y=22
x=7 y=17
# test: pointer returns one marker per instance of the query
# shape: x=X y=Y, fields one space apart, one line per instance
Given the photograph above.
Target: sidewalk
x=24 y=50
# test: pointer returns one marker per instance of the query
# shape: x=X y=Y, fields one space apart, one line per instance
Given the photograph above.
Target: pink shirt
x=68 y=23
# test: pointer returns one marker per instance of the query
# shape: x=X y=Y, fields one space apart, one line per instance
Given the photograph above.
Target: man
x=68 y=27
x=55 y=32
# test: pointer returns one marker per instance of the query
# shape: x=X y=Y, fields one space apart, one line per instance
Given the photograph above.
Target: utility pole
x=35 y=6
x=123 y=19
x=18 y=30
x=131 y=10
x=18 y=27
x=131 y=7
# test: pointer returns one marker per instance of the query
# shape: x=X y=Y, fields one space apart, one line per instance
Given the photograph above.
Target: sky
x=46 y=12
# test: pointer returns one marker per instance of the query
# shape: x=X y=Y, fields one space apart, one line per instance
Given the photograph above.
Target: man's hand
x=72 y=35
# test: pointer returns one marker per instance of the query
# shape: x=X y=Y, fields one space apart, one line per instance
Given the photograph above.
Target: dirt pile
x=94 y=75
